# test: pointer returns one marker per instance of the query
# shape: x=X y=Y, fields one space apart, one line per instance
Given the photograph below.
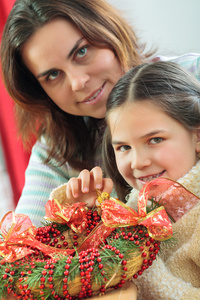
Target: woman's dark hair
x=166 y=85
x=67 y=135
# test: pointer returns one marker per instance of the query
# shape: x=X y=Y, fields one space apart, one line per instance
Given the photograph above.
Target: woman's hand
x=83 y=188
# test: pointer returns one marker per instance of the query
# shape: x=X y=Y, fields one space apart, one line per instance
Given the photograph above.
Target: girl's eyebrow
x=42 y=74
x=152 y=133
x=117 y=143
x=142 y=137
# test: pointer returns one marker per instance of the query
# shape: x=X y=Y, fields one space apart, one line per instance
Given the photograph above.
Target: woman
x=60 y=60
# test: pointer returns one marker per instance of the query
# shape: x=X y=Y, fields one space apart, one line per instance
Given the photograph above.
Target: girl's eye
x=123 y=148
x=82 y=52
x=156 y=140
x=53 y=75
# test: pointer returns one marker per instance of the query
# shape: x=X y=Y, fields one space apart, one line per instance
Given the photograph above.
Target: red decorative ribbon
x=75 y=215
x=117 y=214
x=19 y=235
x=176 y=199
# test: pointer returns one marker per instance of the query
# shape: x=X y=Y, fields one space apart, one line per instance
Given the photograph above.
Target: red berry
x=7 y=270
x=50 y=279
x=44 y=272
x=42 y=279
x=100 y=266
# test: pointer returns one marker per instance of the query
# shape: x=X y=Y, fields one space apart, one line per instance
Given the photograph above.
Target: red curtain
x=16 y=158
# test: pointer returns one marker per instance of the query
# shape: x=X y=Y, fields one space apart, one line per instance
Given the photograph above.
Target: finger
x=107 y=185
x=85 y=179
x=97 y=175
x=73 y=188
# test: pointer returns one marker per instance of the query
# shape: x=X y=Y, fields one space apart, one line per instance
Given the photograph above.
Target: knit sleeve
x=175 y=274
x=158 y=283
x=40 y=180
x=189 y=61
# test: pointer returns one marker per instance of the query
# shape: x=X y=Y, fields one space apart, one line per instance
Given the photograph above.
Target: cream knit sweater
x=175 y=274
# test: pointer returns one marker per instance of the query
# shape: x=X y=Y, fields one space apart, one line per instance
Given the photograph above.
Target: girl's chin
x=140 y=185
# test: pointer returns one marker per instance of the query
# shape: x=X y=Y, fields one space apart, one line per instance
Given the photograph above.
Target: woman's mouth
x=151 y=177
x=95 y=97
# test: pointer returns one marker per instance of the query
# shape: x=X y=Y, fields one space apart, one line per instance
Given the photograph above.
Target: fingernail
x=98 y=186
x=85 y=190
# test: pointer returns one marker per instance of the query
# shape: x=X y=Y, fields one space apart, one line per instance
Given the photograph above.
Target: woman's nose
x=78 y=80
x=140 y=159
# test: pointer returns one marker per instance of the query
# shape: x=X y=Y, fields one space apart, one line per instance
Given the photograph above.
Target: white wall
x=173 y=25
x=6 y=194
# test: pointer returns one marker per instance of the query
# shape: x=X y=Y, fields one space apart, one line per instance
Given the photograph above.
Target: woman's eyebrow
x=75 y=47
x=42 y=74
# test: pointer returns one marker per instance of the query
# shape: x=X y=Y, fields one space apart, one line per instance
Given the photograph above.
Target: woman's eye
x=156 y=140
x=53 y=75
x=81 y=52
x=123 y=148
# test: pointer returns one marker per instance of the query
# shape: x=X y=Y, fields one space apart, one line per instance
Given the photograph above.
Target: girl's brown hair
x=67 y=136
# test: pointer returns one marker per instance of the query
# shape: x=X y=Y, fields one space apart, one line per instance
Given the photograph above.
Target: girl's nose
x=140 y=159
x=78 y=80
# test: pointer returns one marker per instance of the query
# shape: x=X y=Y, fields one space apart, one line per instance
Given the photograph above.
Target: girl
x=60 y=60
x=153 y=117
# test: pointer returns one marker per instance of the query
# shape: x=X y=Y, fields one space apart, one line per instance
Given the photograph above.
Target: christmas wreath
x=79 y=252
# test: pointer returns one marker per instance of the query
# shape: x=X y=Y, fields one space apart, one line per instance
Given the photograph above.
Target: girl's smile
x=76 y=75
x=145 y=179
x=149 y=144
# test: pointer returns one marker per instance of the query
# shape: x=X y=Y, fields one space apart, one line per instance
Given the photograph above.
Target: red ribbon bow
x=18 y=232
x=174 y=198
x=75 y=215
x=117 y=214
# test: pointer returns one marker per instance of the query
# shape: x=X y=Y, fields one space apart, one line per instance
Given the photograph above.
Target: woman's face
x=77 y=76
x=149 y=144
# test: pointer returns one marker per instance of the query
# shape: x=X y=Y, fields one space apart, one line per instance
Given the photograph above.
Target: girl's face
x=77 y=76
x=149 y=144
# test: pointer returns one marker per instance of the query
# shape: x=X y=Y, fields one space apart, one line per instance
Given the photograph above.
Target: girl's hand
x=83 y=188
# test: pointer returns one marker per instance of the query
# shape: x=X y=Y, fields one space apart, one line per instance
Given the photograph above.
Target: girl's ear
x=198 y=140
